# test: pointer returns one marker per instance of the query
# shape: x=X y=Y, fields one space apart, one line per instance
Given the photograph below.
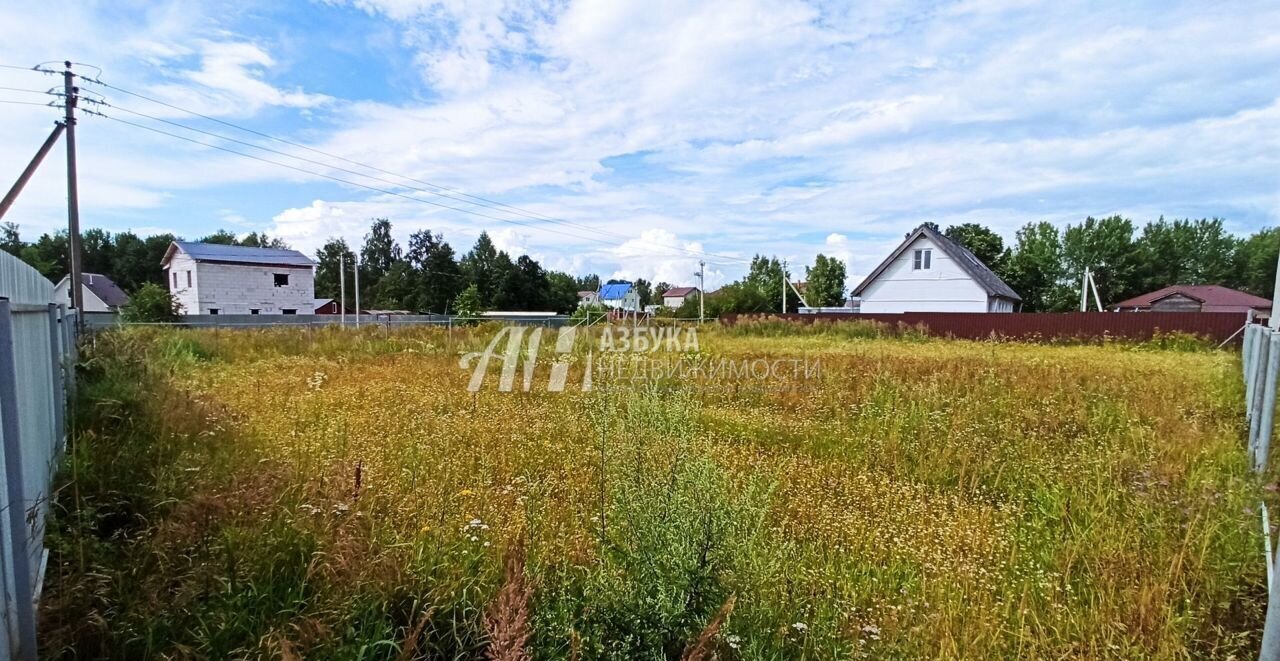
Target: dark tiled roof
x=105 y=289
x=981 y=274
x=1213 y=298
x=217 y=252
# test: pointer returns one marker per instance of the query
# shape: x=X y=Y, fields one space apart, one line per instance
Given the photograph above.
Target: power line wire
x=457 y=194
x=333 y=178
x=32 y=103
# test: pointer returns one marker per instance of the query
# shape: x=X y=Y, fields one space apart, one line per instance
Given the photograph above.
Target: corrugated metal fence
x=36 y=356
x=1218 y=326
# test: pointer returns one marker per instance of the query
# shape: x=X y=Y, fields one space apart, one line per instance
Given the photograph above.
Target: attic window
x=922 y=259
x=282 y=279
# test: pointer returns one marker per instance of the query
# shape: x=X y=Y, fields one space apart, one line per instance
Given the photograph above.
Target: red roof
x=676 y=292
x=1213 y=298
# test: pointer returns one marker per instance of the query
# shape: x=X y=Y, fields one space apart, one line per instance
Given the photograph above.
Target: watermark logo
x=623 y=355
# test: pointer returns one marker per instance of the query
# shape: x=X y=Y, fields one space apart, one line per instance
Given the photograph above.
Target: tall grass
x=340 y=495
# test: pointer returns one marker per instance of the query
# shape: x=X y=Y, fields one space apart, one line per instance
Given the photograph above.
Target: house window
x=175 y=279
x=922 y=259
x=282 y=279
x=288 y=311
x=254 y=310
x=188 y=278
x=213 y=310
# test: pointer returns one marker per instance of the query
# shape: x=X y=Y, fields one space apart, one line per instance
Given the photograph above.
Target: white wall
x=944 y=287
x=240 y=288
x=674 y=301
x=181 y=264
x=62 y=294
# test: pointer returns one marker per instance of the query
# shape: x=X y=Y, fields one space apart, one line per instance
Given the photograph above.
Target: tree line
x=1043 y=265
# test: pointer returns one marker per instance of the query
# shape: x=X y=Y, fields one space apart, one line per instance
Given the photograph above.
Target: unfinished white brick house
x=210 y=278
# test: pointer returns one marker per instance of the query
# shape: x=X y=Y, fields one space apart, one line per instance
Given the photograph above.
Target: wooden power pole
x=70 y=94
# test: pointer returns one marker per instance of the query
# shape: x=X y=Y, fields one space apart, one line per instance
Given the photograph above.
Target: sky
x=635 y=138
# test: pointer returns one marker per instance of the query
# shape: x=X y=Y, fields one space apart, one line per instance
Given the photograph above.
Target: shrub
x=150 y=304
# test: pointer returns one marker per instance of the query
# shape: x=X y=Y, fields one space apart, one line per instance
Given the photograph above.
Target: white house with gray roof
x=930 y=273
x=99 y=293
x=210 y=278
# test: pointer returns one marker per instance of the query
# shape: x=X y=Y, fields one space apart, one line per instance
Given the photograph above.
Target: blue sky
x=660 y=130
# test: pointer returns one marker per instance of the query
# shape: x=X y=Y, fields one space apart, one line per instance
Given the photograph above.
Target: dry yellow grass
x=914 y=498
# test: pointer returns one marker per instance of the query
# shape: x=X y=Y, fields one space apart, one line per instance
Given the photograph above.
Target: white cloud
x=736 y=127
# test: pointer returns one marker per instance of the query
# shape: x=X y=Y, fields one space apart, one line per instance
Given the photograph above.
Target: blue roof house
x=620 y=296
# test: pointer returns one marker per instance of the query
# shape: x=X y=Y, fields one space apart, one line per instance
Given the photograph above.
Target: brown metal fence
x=1045 y=326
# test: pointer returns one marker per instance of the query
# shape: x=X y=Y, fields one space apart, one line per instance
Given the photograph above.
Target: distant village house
x=620 y=296
x=675 y=297
x=210 y=278
x=1197 y=298
x=930 y=273
x=100 y=293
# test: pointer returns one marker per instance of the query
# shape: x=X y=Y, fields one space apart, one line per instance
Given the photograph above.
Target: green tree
x=440 y=279
x=589 y=282
x=97 y=252
x=644 y=290
x=741 y=297
x=1255 y=262
x=1184 y=252
x=507 y=284
x=129 y=265
x=222 y=237
x=531 y=285
x=562 y=292
x=379 y=253
x=1105 y=247
x=481 y=268
x=468 y=304
x=48 y=255
x=397 y=289
x=766 y=276
x=1034 y=267
x=261 y=240
x=156 y=247
x=10 y=240
x=986 y=245
x=150 y=304
x=825 y=282
x=333 y=255
x=660 y=289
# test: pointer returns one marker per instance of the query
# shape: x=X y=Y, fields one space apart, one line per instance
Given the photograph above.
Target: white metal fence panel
x=35 y=346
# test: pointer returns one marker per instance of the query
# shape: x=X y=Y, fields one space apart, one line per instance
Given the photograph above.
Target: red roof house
x=1196 y=298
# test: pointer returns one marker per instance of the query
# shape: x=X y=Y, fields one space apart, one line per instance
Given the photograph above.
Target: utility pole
x=784 y=286
x=702 y=290
x=1084 y=291
x=342 y=288
x=357 y=291
x=70 y=92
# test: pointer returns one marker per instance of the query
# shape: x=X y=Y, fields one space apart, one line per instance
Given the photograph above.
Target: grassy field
x=295 y=494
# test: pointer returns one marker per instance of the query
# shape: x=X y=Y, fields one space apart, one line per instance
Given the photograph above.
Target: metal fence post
x=1261 y=359
x=20 y=534
x=59 y=392
x=1266 y=416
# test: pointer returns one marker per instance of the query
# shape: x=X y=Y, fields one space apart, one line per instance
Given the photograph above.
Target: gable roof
x=105 y=289
x=224 y=254
x=615 y=291
x=1212 y=298
x=966 y=260
x=676 y=292
x=102 y=287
